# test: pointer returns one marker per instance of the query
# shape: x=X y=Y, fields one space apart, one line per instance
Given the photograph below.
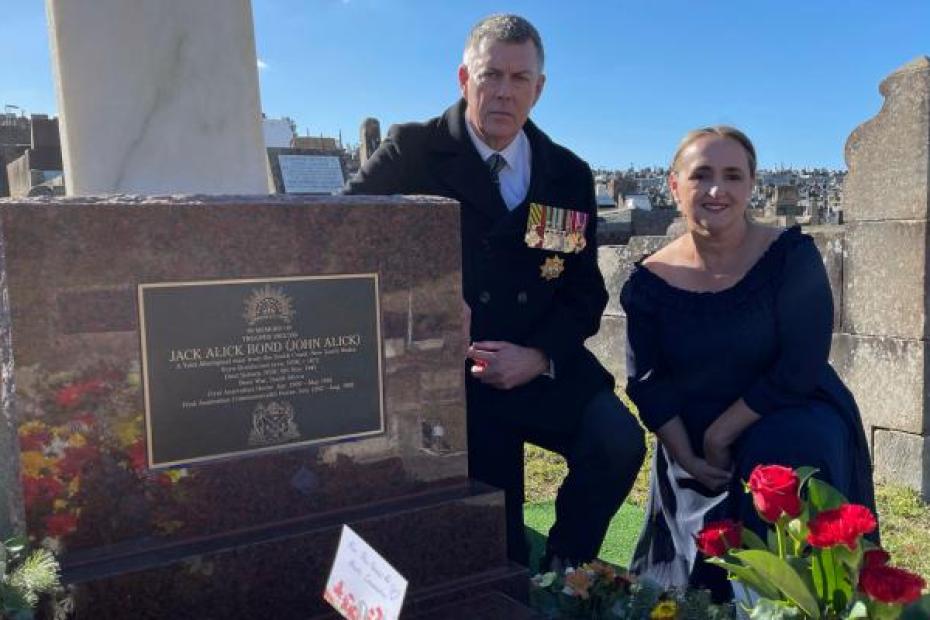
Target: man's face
x=500 y=87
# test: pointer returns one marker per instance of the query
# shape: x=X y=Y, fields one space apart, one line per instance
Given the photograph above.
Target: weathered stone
x=369 y=139
x=616 y=264
x=902 y=459
x=888 y=156
x=884 y=271
x=609 y=346
x=830 y=242
x=887 y=377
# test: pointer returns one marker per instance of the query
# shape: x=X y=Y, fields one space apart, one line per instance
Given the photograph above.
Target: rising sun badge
x=552 y=268
x=268 y=303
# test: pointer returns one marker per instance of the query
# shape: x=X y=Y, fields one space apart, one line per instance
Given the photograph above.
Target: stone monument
x=369 y=139
x=198 y=392
x=158 y=97
x=882 y=350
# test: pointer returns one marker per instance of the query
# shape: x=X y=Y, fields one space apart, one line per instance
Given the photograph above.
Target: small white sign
x=362 y=585
x=311 y=174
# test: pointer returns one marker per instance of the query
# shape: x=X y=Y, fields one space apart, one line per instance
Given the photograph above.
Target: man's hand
x=505 y=365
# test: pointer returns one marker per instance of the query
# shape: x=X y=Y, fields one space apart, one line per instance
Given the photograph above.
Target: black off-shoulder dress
x=766 y=340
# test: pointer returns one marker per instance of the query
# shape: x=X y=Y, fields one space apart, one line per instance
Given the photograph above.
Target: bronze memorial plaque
x=234 y=367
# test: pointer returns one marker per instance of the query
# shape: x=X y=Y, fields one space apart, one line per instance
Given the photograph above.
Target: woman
x=729 y=331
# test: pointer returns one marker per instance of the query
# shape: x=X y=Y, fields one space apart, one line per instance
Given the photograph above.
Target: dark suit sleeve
x=804 y=319
x=576 y=311
x=384 y=172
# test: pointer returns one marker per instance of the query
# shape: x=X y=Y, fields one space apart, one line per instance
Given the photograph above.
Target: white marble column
x=158 y=96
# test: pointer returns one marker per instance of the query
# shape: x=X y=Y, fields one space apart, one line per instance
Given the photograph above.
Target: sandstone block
x=830 y=242
x=886 y=375
x=902 y=459
x=884 y=273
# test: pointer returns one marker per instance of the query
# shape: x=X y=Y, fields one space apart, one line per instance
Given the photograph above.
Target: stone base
x=888 y=378
x=903 y=459
x=449 y=543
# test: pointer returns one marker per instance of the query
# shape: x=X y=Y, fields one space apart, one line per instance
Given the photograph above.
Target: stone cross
x=158 y=96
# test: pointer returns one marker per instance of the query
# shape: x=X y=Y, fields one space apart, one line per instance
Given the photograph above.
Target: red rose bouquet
x=816 y=562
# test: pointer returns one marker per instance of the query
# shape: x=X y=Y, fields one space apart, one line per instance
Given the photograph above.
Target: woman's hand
x=725 y=430
x=714 y=478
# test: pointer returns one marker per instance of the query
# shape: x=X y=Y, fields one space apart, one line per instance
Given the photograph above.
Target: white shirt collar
x=511 y=153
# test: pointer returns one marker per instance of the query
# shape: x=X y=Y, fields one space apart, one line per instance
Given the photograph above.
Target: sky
x=625 y=79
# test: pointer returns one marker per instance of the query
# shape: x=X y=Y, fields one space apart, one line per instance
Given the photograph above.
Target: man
x=531 y=281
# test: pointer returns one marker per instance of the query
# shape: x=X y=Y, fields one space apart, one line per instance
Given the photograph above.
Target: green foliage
x=25 y=576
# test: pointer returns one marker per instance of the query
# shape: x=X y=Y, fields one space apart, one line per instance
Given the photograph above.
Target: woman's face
x=712 y=184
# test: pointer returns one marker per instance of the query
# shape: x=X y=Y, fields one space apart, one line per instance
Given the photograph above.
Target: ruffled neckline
x=763 y=273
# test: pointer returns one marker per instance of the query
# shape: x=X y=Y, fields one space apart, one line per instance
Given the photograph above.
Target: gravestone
x=158 y=97
x=198 y=393
x=306 y=171
x=882 y=350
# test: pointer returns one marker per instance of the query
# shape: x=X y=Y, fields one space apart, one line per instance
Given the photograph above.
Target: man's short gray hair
x=502 y=28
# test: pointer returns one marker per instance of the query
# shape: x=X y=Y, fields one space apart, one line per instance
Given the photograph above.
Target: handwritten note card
x=361 y=584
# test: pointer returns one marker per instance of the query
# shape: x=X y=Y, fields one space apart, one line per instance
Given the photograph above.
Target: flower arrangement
x=23 y=577
x=600 y=591
x=79 y=426
x=816 y=562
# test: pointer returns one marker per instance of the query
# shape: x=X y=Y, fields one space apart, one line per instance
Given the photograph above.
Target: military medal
x=552 y=268
x=535 y=226
x=554 y=229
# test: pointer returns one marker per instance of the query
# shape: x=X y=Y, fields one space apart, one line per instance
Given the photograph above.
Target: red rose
x=890 y=585
x=60 y=524
x=841 y=526
x=775 y=491
x=717 y=537
x=875 y=557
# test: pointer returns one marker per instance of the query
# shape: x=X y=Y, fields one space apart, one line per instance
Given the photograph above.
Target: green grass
x=905 y=520
x=618 y=544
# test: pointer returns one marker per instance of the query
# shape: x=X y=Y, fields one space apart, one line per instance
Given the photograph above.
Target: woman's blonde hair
x=724 y=131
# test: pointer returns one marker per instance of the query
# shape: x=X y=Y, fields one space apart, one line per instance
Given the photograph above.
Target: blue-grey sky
x=625 y=78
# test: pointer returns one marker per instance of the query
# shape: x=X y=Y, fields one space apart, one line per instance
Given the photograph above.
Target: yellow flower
x=32 y=426
x=129 y=432
x=665 y=610
x=60 y=505
x=74 y=486
x=175 y=475
x=76 y=440
x=35 y=464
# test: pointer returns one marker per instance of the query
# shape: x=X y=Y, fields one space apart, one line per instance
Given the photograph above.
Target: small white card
x=361 y=584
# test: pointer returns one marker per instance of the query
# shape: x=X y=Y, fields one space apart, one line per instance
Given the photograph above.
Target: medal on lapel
x=555 y=229
x=552 y=268
x=535 y=225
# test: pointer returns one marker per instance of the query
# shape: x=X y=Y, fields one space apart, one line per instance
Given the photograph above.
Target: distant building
x=315 y=143
x=638 y=201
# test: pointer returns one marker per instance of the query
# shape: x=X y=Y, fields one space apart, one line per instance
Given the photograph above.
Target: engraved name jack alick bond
x=272 y=422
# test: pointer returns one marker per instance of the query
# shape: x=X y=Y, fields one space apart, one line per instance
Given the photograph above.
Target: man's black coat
x=502 y=279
